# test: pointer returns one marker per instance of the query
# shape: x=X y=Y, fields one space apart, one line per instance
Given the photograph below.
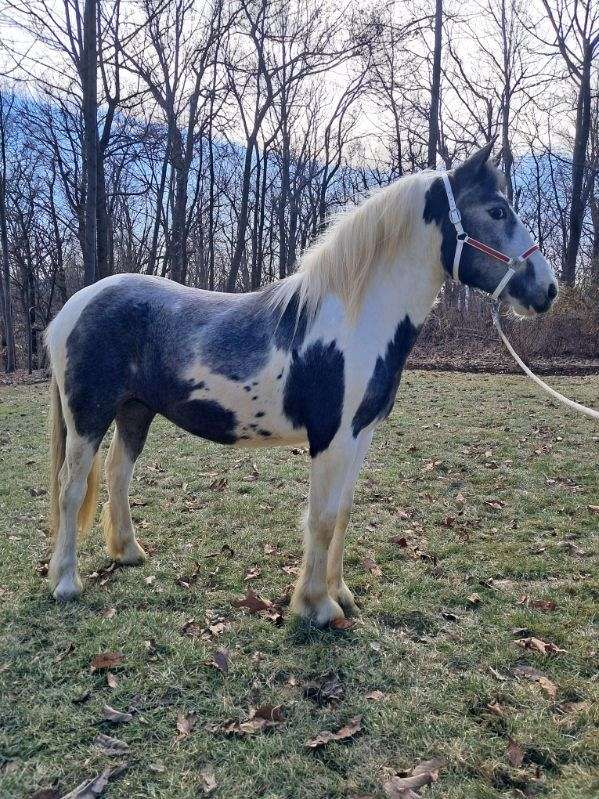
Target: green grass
x=527 y=472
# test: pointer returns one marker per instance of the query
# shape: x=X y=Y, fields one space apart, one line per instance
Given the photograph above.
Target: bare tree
x=575 y=25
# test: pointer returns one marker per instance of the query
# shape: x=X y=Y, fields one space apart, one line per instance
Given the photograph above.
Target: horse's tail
x=58 y=436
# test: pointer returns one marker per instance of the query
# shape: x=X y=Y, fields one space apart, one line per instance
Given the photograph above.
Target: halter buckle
x=454 y=216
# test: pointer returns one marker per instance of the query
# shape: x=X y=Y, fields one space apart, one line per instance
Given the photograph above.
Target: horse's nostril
x=552 y=291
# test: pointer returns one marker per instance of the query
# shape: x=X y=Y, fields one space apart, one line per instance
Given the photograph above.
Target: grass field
x=472 y=534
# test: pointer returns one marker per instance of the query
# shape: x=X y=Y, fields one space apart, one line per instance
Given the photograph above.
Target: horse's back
x=213 y=363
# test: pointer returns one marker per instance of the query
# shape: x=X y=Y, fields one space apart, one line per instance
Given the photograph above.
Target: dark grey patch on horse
x=238 y=342
x=254 y=398
x=119 y=351
x=247 y=388
x=382 y=387
x=133 y=420
x=101 y=349
x=313 y=395
x=259 y=414
x=280 y=375
x=264 y=433
x=291 y=327
x=205 y=418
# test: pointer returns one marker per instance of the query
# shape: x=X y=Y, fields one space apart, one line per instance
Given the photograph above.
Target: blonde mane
x=342 y=259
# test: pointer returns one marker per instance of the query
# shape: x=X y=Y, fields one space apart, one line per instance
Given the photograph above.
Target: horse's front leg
x=338 y=589
x=311 y=598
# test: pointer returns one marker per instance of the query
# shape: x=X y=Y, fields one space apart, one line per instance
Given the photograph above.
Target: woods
x=210 y=142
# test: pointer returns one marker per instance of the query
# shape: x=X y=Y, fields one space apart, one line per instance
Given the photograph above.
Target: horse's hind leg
x=132 y=424
x=73 y=485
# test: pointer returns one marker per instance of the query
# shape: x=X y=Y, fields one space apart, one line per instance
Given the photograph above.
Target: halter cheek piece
x=463 y=238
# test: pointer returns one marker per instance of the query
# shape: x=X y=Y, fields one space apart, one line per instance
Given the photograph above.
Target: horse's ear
x=470 y=168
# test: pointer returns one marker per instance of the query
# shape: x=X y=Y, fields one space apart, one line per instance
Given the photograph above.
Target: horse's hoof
x=131 y=555
x=344 y=597
x=68 y=588
x=319 y=613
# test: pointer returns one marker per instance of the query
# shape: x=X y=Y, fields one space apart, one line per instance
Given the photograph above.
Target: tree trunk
x=89 y=59
x=581 y=140
x=9 y=332
x=103 y=261
x=242 y=221
x=433 y=122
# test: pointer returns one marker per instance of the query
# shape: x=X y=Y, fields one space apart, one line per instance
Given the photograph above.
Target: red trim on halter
x=534 y=248
x=479 y=245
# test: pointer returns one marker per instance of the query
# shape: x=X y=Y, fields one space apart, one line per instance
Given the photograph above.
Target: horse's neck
x=407 y=288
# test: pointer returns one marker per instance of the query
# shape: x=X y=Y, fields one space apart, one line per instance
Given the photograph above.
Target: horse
x=314 y=358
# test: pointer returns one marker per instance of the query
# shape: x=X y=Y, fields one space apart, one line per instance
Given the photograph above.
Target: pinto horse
x=316 y=358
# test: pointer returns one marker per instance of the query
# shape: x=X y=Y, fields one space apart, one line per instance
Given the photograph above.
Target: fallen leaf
x=496 y=709
x=106 y=660
x=187 y=580
x=90 y=789
x=115 y=716
x=423 y=774
x=151 y=649
x=400 y=540
x=252 y=602
x=375 y=696
x=549 y=687
x=149 y=580
x=575 y=707
x=221 y=661
x=371 y=566
x=261 y=718
x=104 y=576
x=66 y=651
x=111 y=747
x=328 y=689
x=109 y=614
x=185 y=723
x=219 y=484
x=253 y=573
x=342 y=624
x=497 y=675
x=514 y=754
x=544 y=647
x=594 y=508
x=529 y=673
x=111 y=680
x=449 y=616
x=191 y=629
x=353 y=727
x=545 y=605
x=208 y=779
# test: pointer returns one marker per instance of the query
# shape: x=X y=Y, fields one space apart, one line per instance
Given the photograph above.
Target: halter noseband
x=463 y=238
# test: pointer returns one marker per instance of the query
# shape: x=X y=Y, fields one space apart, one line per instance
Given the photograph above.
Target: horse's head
x=492 y=235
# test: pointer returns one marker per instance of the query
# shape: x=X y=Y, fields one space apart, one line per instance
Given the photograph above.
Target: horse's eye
x=498 y=212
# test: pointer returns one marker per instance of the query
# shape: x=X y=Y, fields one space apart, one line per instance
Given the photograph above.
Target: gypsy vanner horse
x=316 y=358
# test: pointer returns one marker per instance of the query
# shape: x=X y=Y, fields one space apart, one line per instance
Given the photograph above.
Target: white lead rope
x=576 y=406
